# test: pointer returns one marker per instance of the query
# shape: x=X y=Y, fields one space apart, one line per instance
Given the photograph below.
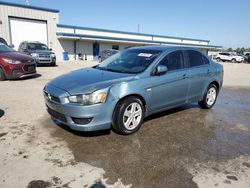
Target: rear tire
x=209 y=97
x=234 y=61
x=218 y=59
x=2 y=75
x=128 y=116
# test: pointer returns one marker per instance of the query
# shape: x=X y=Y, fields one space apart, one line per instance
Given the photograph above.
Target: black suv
x=39 y=51
x=107 y=53
x=248 y=57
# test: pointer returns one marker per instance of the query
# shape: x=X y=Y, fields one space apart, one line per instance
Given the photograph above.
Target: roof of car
x=31 y=42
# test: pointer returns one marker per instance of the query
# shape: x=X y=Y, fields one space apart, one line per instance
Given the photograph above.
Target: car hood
x=16 y=56
x=89 y=80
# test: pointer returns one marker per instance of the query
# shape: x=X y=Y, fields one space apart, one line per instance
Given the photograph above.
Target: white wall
x=65 y=46
x=52 y=19
x=85 y=47
x=135 y=36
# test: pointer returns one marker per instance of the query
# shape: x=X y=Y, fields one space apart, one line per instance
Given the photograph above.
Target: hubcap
x=132 y=116
x=211 y=96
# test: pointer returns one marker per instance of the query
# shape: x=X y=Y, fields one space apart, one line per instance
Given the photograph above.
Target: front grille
x=51 y=97
x=42 y=60
x=44 y=56
x=57 y=115
x=29 y=68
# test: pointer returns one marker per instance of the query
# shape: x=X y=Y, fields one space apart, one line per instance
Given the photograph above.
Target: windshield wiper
x=112 y=70
x=109 y=69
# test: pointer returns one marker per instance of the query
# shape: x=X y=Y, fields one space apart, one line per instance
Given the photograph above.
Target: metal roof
x=132 y=33
x=82 y=36
x=28 y=6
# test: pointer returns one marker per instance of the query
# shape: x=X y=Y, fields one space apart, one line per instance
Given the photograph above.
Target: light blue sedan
x=133 y=84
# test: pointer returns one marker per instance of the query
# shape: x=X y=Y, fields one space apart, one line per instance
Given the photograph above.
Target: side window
x=195 y=58
x=23 y=46
x=205 y=60
x=20 y=47
x=173 y=61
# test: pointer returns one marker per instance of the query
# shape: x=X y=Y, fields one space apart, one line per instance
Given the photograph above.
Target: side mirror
x=50 y=49
x=160 y=70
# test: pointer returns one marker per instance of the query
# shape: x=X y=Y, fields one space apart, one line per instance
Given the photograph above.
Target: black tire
x=204 y=103
x=234 y=61
x=118 y=116
x=2 y=75
x=218 y=59
x=53 y=64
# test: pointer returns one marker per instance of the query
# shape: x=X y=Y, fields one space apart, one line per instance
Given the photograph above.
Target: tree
x=229 y=49
x=237 y=50
x=242 y=50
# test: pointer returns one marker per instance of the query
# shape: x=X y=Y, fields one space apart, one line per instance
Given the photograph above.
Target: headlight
x=11 y=61
x=53 y=55
x=89 y=99
x=34 y=55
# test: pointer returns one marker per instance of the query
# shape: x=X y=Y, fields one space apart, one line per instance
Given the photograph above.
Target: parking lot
x=183 y=147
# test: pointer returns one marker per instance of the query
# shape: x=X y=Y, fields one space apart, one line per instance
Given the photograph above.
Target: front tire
x=2 y=75
x=128 y=116
x=234 y=61
x=218 y=59
x=210 y=97
x=53 y=64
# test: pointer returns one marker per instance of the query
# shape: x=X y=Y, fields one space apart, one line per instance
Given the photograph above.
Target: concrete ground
x=183 y=147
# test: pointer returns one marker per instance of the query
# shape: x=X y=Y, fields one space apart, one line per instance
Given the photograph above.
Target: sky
x=224 y=22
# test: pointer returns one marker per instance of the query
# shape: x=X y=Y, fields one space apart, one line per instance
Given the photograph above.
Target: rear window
x=205 y=60
x=196 y=58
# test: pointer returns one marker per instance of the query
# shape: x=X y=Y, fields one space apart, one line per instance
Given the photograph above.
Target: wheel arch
x=127 y=96
x=133 y=95
x=216 y=83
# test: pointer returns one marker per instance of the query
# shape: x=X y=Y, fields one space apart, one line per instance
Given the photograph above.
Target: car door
x=170 y=89
x=229 y=56
x=222 y=56
x=199 y=72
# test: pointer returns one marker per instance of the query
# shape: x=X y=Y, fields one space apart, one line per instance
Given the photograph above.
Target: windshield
x=37 y=46
x=130 y=61
x=5 y=49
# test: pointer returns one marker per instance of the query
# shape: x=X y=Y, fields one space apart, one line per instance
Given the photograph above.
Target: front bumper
x=51 y=60
x=21 y=71
x=95 y=117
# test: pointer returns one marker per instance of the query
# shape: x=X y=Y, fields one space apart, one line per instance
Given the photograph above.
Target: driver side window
x=173 y=61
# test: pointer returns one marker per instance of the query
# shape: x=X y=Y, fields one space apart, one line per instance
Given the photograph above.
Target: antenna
x=27 y=2
x=138 y=28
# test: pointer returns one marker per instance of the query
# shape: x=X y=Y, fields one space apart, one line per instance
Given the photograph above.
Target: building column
x=75 y=49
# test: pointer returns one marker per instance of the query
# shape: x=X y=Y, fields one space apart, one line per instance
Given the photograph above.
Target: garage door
x=30 y=30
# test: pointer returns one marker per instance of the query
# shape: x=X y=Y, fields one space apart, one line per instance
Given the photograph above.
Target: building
x=21 y=22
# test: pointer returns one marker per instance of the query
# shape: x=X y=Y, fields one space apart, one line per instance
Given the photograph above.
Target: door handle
x=185 y=76
x=208 y=71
